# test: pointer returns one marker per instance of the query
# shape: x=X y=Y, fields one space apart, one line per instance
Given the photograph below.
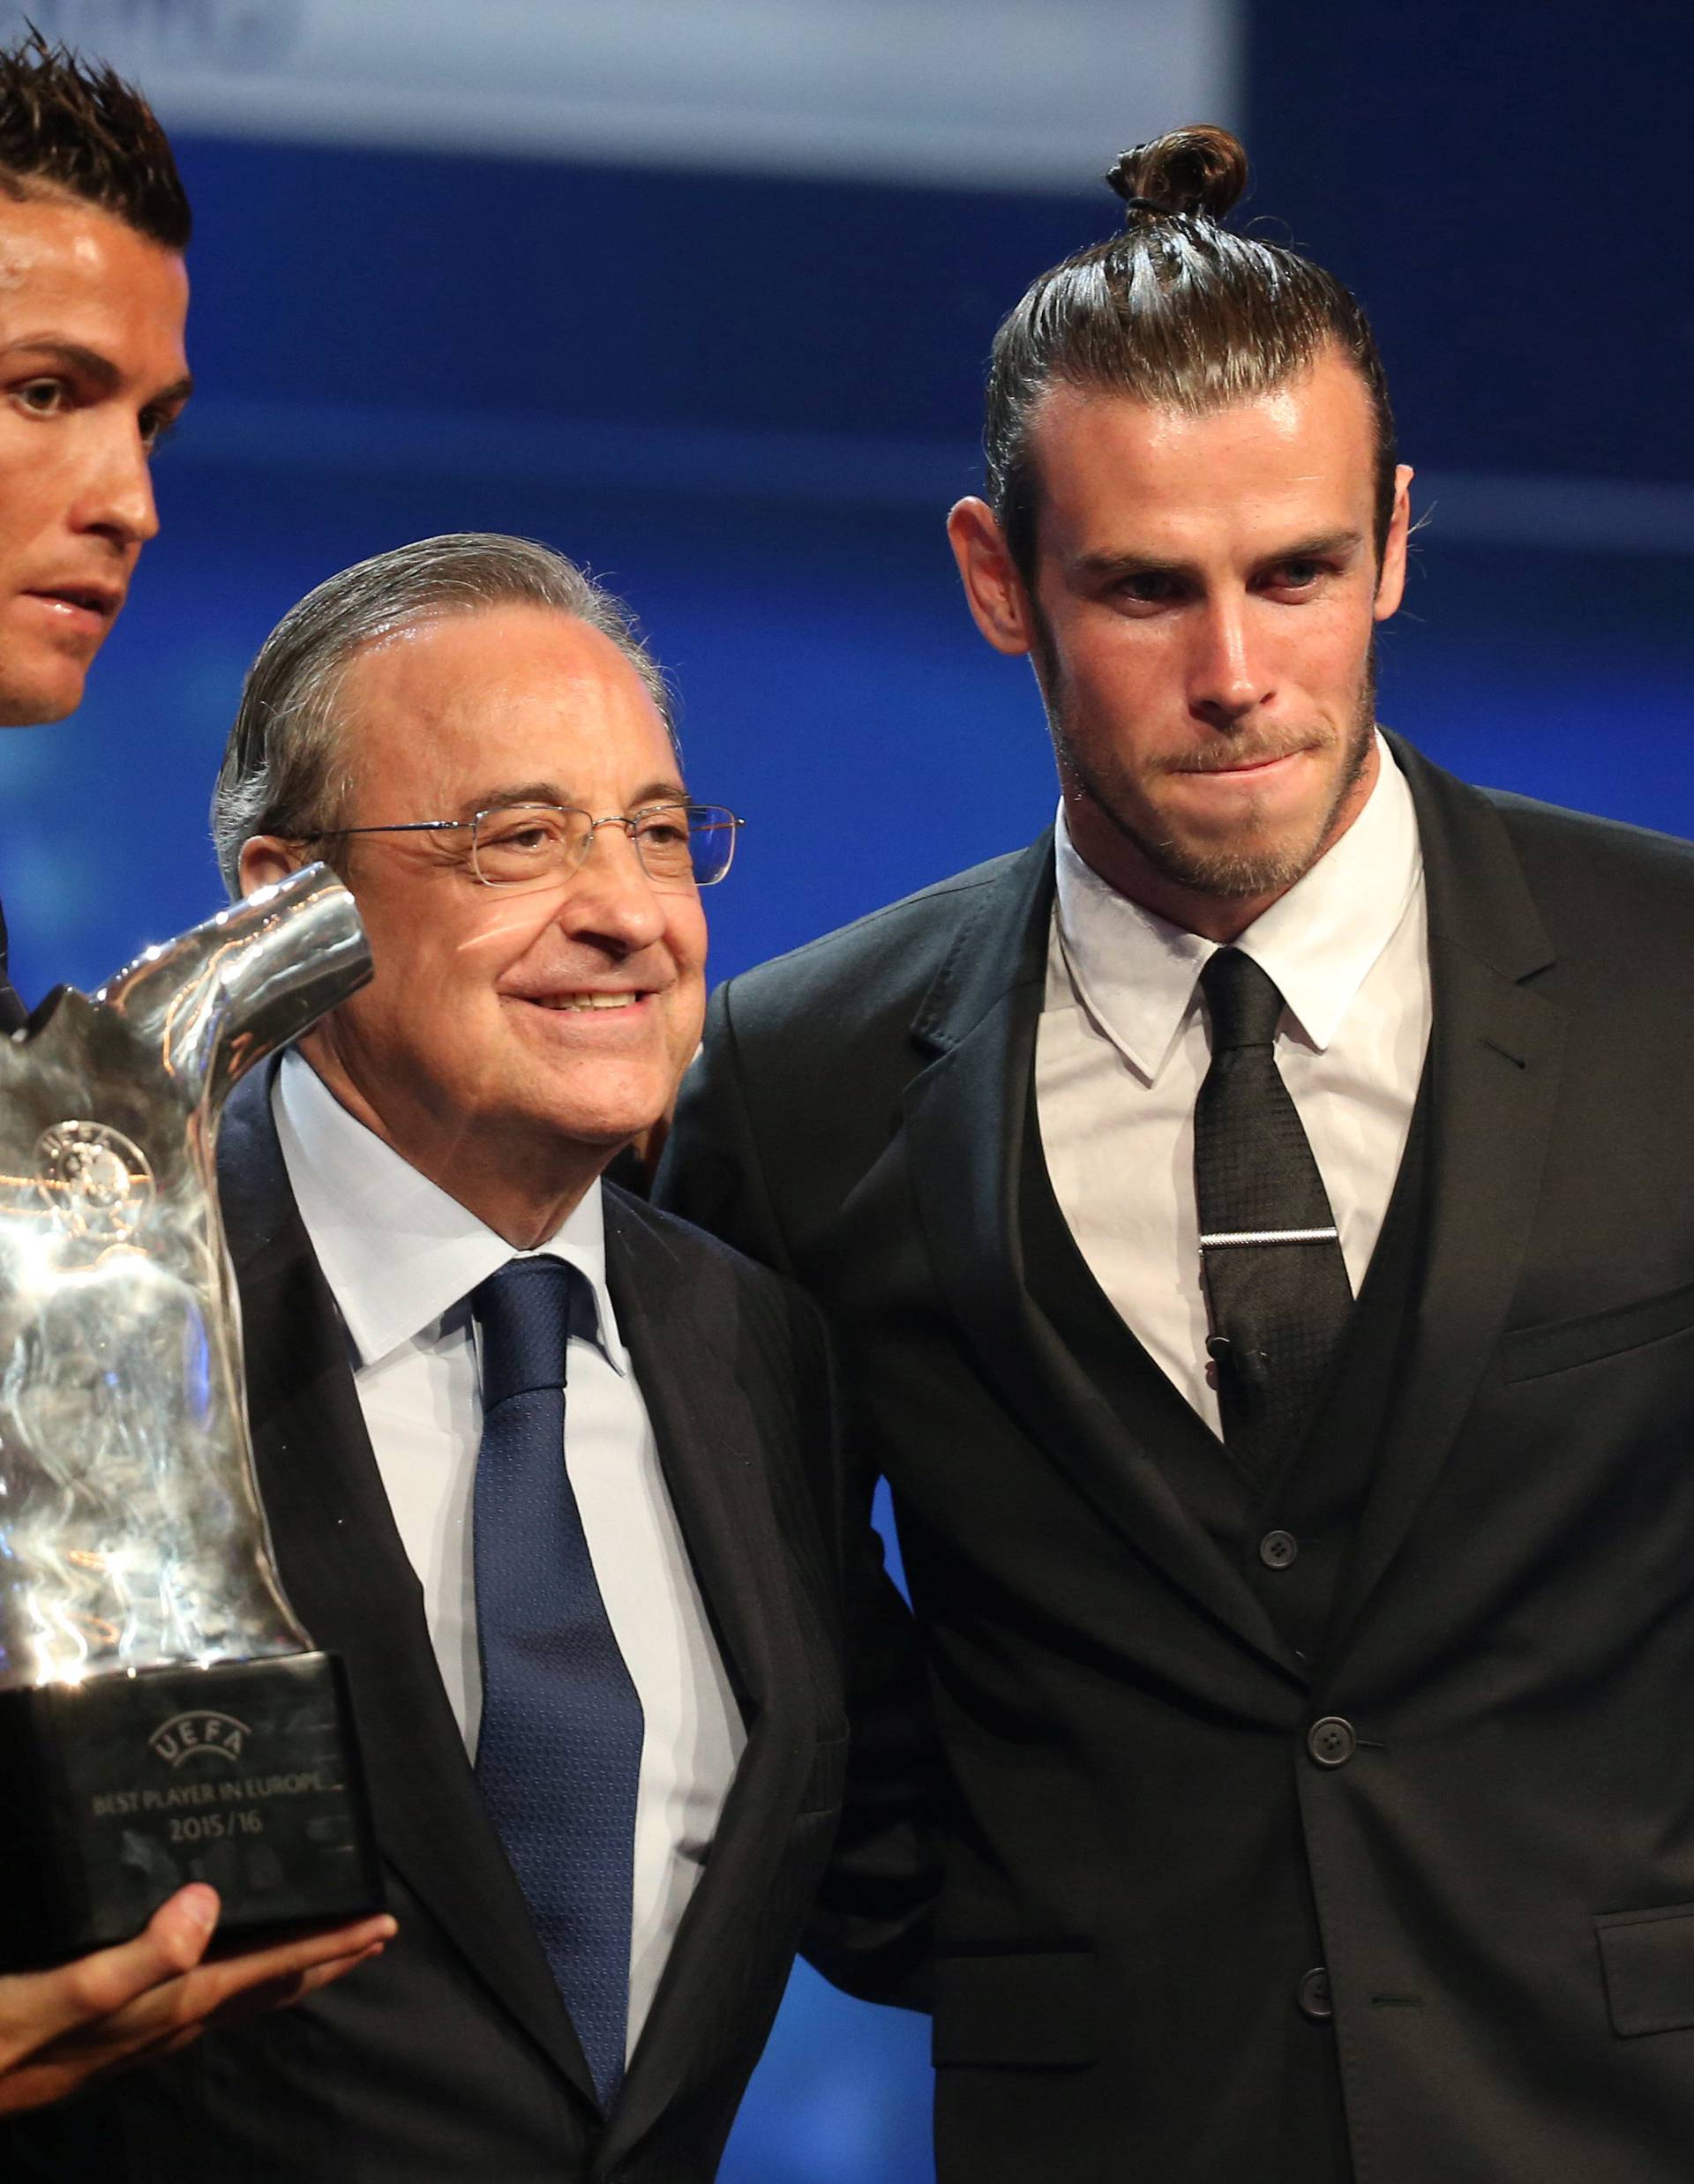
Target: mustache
x=1223 y=759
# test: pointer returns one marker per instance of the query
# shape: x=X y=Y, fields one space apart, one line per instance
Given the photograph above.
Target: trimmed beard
x=1228 y=874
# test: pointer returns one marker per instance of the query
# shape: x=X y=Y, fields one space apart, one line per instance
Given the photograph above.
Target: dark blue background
x=747 y=403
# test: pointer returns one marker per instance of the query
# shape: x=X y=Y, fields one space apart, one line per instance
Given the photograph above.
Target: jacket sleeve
x=870 y=1926
x=869 y=1929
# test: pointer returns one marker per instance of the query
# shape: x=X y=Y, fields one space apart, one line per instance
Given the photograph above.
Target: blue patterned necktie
x=559 y=1752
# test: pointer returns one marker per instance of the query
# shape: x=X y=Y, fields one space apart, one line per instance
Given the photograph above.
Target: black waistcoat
x=1281 y=2116
x=1317 y=1502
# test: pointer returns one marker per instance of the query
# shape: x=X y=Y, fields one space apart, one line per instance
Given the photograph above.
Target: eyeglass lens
x=531 y=844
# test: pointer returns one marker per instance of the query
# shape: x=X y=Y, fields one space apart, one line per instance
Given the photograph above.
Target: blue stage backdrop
x=746 y=399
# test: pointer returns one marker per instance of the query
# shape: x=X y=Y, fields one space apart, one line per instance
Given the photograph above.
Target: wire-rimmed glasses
x=538 y=845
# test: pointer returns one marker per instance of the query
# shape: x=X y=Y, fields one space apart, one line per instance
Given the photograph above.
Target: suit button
x=1278 y=1550
x=1331 y=1741
x=1313 y=1995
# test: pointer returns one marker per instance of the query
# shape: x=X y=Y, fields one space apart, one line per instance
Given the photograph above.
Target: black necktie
x=560 y=1753
x=1277 y=1286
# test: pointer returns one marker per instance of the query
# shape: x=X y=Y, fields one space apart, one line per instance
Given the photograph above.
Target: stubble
x=1243 y=867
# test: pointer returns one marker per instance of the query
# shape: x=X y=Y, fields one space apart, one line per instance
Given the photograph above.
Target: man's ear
x=1390 y=579
x=267 y=858
x=998 y=603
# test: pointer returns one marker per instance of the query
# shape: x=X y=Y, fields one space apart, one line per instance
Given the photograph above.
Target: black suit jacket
x=1145 y=1858
x=452 y=2058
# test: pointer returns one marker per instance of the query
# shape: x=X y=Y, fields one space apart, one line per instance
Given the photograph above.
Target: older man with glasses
x=594 y=1639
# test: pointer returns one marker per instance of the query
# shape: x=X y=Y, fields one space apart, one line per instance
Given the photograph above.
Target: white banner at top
x=1024 y=94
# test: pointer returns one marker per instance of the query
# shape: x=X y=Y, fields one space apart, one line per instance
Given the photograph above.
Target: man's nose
x=116 y=500
x=1226 y=677
x=612 y=897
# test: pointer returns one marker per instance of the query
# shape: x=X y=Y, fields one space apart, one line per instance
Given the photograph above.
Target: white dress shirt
x=1123 y=1046
x=401 y=1256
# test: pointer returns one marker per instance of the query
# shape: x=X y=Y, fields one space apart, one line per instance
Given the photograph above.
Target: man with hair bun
x=1256 y=1220
x=94 y=222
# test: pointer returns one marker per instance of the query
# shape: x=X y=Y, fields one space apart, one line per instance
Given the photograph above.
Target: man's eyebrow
x=1126 y=563
x=549 y=792
x=1100 y=567
x=72 y=355
x=1315 y=549
x=513 y=792
x=77 y=356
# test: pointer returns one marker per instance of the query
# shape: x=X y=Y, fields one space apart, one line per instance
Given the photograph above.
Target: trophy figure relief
x=164 y=1717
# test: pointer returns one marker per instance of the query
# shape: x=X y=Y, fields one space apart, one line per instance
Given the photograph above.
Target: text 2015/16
x=209 y=1827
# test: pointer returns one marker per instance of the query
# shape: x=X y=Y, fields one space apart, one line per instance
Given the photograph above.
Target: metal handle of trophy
x=233 y=990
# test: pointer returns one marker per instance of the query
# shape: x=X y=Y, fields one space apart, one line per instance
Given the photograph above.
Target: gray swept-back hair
x=286 y=769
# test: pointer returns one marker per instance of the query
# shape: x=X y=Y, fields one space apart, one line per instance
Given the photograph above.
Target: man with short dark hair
x=1255 y=1220
x=94 y=296
x=94 y=222
x=552 y=1471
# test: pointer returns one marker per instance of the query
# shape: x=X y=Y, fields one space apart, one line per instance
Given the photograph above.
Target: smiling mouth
x=590 y=1000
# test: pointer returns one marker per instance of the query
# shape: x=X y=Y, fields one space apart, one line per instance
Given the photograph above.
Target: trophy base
x=120 y=1790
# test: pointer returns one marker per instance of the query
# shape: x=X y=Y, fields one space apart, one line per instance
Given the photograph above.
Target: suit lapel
x=713 y=1455
x=965 y=1118
x=1495 y=1054
x=348 y=1575
x=708 y=1440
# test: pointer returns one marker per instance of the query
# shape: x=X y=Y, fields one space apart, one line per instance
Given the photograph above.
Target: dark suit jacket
x=452 y=2058
x=1143 y=1849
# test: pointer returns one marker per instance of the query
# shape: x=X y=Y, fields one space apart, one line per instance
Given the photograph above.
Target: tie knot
x=1244 y=1001
x=527 y=1311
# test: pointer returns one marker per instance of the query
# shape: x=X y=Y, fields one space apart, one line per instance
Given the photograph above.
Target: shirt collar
x=1137 y=973
x=397 y=1252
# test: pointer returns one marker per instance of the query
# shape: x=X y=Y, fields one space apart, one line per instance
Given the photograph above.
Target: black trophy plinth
x=119 y=1790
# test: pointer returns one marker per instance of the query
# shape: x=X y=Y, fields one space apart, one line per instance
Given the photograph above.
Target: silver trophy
x=163 y=1717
